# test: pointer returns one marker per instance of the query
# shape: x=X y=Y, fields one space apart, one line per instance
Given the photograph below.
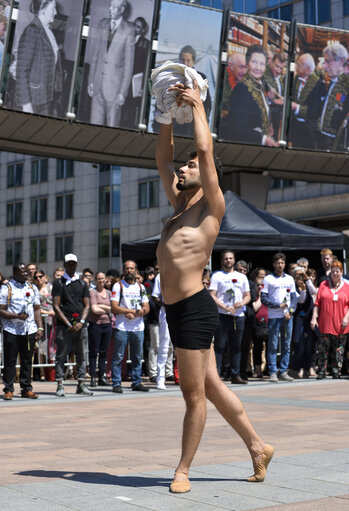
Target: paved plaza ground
x=118 y=452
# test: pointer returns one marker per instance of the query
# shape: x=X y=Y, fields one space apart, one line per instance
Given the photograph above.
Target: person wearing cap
x=71 y=303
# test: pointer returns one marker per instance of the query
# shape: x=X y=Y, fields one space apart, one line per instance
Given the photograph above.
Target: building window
x=63 y=245
x=148 y=194
x=281 y=13
x=317 y=11
x=13 y=252
x=14 y=213
x=324 y=11
x=109 y=243
x=345 y=7
x=64 y=207
x=280 y=184
x=64 y=169
x=104 y=168
x=38 y=211
x=38 y=250
x=116 y=199
x=104 y=200
x=14 y=175
x=39 y=171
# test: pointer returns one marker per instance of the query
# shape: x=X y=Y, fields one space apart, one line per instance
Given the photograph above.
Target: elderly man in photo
x=183 y=251
x=234 y=73
x=306 y=104
x=111 y=66
x=22 y=326
x=335 y=102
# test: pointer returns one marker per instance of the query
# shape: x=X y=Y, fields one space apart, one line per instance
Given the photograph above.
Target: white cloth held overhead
x=167 y=75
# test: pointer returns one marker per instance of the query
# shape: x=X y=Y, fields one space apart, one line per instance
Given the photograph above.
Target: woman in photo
x=249 y=113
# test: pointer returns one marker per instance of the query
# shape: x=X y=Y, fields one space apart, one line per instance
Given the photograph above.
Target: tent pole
x=344 y=260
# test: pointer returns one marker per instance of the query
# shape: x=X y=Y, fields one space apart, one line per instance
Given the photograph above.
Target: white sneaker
x=285 y=377
x=60 y=390
x=161 y=385
x=273 y=378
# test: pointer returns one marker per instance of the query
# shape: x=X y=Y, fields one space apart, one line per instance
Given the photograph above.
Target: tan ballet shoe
x=180 y=486
x=261 y=463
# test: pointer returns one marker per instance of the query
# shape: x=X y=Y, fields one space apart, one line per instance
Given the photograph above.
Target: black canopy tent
x=246 y=227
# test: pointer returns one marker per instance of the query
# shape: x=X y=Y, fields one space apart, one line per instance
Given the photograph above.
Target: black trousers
x=24 y=346
x=99 y=336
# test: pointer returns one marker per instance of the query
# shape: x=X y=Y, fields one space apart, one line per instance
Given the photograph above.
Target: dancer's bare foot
x=260 y=463
x=180 y=483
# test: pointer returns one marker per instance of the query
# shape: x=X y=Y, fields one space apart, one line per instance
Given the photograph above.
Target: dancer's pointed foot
x=260 y=464
x=180 y=484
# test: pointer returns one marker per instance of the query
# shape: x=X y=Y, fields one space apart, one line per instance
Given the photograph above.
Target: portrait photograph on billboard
x=5 y=13
x=43 y=56
x=114 y=71
x=189 y=35
x=254 y=80
x=320 y=91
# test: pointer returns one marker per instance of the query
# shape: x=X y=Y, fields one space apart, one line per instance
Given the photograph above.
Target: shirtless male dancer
x=184 y=249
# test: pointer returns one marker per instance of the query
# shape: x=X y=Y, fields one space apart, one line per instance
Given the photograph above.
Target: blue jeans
x=135 y=339
x=276 y=327
x=230 y=329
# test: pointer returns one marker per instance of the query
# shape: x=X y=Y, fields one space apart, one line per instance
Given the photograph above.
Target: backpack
x=9 y=294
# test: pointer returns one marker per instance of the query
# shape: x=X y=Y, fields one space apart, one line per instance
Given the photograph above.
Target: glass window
x=38 y=211
x=274 y=14
x=250 y=6
x=14 y=214
x=14 y=175
x=13 y=252
x=271 y=3
x=103 y=243
x=324 y=11
x=64 y=169
x=286 y=13
x=68 y=206
x=142 y=195
x=38 y=250
x=104 y=168
x=115 y=243
x=63 y=245
x=148 y=194
x=104 y=200
x=153 y=193
x=59 y=207
x=116 y=199
x=64 y=207
x=34 y=212
x=345 y=7
x=39 y=171
x=310 y=12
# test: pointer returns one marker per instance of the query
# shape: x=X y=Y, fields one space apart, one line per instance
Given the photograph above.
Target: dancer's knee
x=193 y=398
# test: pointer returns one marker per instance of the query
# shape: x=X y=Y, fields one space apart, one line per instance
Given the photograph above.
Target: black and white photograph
x=118 y=45
x=5 y=12
x=320 y=93
x=189 y=35
x=43 y=54
x=254 y=81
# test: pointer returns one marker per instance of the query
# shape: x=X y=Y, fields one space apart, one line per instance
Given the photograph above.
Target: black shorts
x=192 y=322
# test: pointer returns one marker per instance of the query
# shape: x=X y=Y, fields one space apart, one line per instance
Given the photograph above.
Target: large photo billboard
x=320 y=92
x=191 y=36
x=44 y=52
x=254 y=81
x=114 y=73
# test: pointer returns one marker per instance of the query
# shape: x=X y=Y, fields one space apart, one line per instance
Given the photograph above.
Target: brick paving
x=118 y=452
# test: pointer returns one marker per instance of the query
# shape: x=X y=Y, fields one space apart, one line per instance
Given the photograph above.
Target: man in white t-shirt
x=231 y=292
x=279 y=295
x=129 y=302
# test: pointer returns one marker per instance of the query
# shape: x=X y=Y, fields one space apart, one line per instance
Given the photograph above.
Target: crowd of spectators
x=275 y=325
